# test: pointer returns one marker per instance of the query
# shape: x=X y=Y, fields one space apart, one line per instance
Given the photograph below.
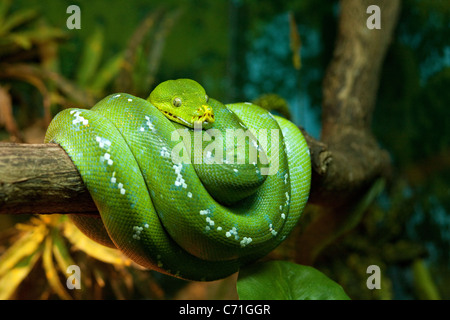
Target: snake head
x=184 y=101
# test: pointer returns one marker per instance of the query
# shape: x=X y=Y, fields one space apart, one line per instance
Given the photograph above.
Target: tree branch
x=40 y=179
x=351 y=156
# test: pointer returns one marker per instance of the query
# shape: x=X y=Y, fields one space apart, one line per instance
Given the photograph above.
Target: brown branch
x=6 y=115
x=351 y=158
x=40 y=179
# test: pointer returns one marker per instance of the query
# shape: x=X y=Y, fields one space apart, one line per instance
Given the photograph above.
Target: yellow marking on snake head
x=183 y=101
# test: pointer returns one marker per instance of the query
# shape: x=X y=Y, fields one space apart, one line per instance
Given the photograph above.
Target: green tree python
x=184 y=184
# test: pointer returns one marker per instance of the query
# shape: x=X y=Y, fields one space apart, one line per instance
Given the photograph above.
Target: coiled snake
x=186 y=185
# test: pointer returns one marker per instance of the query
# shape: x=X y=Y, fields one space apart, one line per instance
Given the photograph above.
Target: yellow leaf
x=94 y=249
x=61 y=253
x=23 y=247
x=295 y=42
x=14 y=276
x=50 y=271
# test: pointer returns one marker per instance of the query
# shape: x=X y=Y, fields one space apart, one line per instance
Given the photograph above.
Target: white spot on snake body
x=129 y=100
x=164 y=152
x=79 y=118
x=203 y=212
x=245 y=241
x=179 y=180
x=235 y=170
x=248 y=103
x=219 y=228
x=283 y=216
x=189 y=194
x=102 y=142
x=137 y=231
x=210 y=221
x=113 y=179
x=149 y=123
x=272 y=230
x=231 y=232
x=117 y=95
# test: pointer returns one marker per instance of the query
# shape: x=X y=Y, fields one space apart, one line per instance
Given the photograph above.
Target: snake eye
x=177 y=102
x=207 y=98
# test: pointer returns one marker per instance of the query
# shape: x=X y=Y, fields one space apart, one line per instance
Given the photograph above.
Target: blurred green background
x=239 y=50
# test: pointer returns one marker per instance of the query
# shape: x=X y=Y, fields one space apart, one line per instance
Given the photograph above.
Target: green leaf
x=105 y=75
x=282 y=280
x=4 y=7
x=16 y=19
x=90 y=58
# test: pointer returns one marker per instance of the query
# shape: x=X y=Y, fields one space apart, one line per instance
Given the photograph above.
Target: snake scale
x=178 y=189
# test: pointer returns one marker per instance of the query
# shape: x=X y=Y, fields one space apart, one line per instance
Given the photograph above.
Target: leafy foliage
x=282 y=280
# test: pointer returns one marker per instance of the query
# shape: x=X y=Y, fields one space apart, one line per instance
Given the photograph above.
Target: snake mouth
x=203 y=116
x=206 y=115
x=176 y=118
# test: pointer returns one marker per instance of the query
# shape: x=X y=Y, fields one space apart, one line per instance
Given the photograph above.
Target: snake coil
x=196 y=220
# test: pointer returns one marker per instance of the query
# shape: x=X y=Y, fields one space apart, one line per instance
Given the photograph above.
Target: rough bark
x=351 y=158
x=42 y=178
